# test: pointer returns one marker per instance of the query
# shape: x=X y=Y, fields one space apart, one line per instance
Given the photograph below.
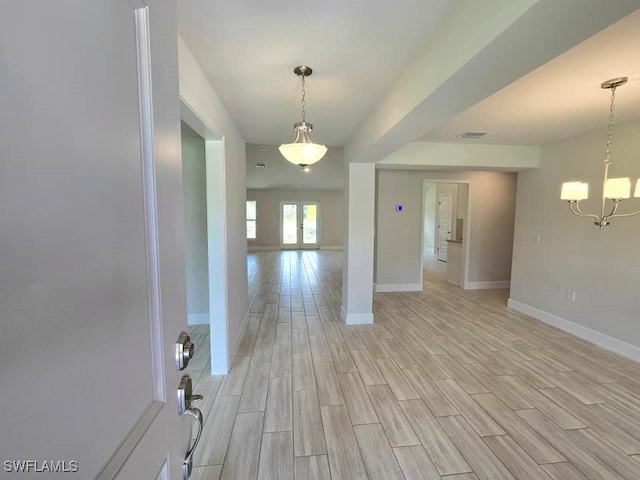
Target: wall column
x=357 y=280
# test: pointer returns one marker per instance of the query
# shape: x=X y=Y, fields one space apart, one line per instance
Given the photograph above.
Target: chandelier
x=303 y=152
x=613 y=189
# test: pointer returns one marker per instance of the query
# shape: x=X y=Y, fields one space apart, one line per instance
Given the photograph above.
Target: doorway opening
x=205 y=235
x=445 y=232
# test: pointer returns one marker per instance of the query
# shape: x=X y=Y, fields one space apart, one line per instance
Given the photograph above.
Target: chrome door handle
x=187 y=465
x=185 y=349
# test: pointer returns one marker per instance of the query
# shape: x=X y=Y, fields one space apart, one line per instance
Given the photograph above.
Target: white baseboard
x=359 y=319
x=603 y=340
x=252 y=248
x=397 y=287
x=356 y=318
x=198 y=319
x=487 y=285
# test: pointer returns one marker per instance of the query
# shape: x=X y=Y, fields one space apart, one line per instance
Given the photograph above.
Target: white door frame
x=300 y=245
x=217 y=248
x=466 y=229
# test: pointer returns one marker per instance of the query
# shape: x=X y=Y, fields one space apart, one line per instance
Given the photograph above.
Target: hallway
x=448 y=384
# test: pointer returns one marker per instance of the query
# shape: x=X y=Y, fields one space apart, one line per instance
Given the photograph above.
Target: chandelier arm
x=575 y=209
x=614 y=209
x=624 y=214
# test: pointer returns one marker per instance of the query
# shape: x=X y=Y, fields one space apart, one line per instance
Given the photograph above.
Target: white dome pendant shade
x=303 y=152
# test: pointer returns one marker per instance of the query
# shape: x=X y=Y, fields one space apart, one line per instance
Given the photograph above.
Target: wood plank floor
x=447 y=384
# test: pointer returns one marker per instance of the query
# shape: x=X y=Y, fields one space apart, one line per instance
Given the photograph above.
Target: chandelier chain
x=610 y=129
x=302 y=101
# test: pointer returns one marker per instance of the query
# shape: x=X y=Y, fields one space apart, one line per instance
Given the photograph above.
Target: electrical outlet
x=571 y=295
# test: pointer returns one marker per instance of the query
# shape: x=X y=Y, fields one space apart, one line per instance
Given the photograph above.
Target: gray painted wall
x=195 y=219
x=602 y=266
x=327 y=174
x=398 y=235
x=268 y=215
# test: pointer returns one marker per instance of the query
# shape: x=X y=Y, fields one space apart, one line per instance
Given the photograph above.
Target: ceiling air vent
x=260 y=165
x=472 y=134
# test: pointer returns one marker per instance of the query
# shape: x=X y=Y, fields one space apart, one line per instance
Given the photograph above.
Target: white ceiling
x=387 y=73
x=357 y=48
x=562 y=98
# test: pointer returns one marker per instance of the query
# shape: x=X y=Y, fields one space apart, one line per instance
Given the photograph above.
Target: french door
x=299 y=225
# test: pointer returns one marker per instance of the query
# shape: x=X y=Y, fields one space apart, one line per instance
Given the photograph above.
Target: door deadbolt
x=186 y=395
x=184 y=351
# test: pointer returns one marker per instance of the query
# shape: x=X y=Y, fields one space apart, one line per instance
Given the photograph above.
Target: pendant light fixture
x=613 y=189
x=303 y=152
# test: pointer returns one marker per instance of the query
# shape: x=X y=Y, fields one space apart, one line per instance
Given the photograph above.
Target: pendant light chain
x=303 y=152
x=610 y=130
x=302 y=102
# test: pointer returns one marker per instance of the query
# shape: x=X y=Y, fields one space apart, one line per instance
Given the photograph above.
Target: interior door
x=92 y=290
x=299 y=225
x=445 y=212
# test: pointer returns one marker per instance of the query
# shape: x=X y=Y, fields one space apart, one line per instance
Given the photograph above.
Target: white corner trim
x=487 y=285
x=236 y=343
x=397 y=287
x=198 y=319
x=359 y=319
x=603 y=340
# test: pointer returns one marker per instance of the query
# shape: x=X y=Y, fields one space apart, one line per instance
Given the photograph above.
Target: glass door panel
x=309 y=224
x=290 y=224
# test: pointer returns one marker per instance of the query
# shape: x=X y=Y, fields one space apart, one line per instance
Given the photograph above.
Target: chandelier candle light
x=614 y=189
x=303 y=152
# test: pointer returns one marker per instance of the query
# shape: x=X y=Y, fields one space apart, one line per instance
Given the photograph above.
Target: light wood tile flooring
x=447 y=384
